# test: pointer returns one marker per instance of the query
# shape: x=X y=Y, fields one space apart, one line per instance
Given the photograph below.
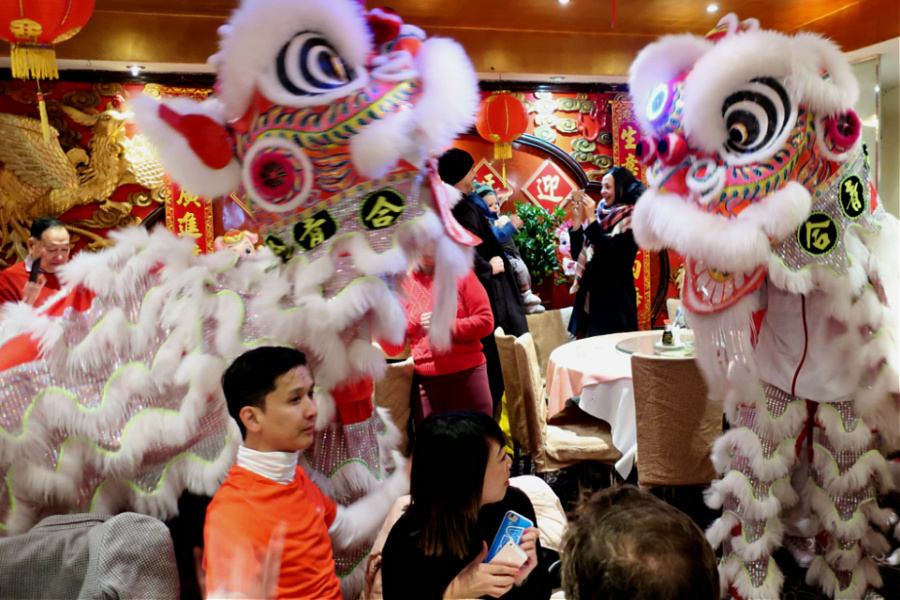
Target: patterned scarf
x=613 y=221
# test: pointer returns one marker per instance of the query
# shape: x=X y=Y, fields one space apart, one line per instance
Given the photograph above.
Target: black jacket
x=506 y=300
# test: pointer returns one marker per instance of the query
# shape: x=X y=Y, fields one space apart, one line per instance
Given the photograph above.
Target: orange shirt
x=13 y=280
x=240 y=521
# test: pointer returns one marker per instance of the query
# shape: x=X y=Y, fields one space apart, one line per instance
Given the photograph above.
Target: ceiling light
x=877 y=88
x=557 y=78
x=564 y=2
x=135 y=70
x=712 y=8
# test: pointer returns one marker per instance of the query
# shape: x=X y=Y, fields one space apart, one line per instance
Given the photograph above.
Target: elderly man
x=49 y=241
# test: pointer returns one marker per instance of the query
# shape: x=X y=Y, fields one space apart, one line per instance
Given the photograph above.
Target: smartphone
x=35 y=270
x=510 y=554
x=511 y=529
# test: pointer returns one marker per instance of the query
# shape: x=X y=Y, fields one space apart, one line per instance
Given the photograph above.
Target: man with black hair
x=269 y=529
x=49 y=241
x=626 y=543
x=456 y=168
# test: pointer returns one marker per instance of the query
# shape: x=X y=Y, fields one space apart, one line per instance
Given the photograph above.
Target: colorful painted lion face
x=316 y=100
x=743 y=132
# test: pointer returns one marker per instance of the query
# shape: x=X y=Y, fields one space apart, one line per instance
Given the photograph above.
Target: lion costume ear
x=195 y=144
x=820 y=76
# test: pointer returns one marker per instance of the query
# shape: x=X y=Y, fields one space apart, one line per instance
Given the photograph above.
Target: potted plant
x=538 y=243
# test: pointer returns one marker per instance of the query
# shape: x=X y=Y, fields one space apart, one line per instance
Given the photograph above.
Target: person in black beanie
x=456 y=168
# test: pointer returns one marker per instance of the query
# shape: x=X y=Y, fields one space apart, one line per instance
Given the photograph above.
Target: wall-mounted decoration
x=548 y=185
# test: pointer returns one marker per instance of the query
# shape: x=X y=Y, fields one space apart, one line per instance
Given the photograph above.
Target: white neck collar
x=280 y=467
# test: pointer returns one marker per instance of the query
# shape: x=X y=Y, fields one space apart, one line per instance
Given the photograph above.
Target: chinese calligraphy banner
x=548 y=186
x=189 y=215
x=627 y=135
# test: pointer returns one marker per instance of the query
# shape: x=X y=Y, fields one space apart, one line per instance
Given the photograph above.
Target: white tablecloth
x=593 y=369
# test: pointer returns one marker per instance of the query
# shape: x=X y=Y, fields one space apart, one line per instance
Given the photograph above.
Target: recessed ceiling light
x=557 y=78
x=877 y=88
x=563 y=1
x=135 y=70
x=712 y=8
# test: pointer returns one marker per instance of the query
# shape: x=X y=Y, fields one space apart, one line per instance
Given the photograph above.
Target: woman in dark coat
x=605 y=296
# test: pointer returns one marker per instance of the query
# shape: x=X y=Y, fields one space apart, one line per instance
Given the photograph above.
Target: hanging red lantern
x=33 y=28
x=501 y=119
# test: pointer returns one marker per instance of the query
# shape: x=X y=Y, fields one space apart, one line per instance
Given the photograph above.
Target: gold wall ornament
x=37 y=178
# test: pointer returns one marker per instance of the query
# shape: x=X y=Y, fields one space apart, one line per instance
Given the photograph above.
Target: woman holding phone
x=460 y=495
x=602 y=241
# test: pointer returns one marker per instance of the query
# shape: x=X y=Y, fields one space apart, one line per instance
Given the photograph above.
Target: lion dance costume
x=326 y=118
x=758 y=177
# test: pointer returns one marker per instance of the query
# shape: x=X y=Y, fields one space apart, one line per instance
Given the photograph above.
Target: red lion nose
x=671 y=149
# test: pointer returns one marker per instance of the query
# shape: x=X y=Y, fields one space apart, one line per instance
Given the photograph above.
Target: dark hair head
x=42 y=224
x=449 y=463
x=628 y=188
x=254 y=374
x=626 y=543
x=454 y=164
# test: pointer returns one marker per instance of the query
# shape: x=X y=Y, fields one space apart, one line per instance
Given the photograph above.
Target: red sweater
x=473 y=322
x=13 y=280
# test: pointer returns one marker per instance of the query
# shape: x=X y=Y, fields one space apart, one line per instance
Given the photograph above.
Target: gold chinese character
x=853 y=192
x=187 y=225
x=816 y=237
x=25 y=29
x=636 y=268
x=313 y=229
x=383 y=213
x=631 y=164
x=628 y=135
x=639 y=298
x=489 y=179
x=547 y=186
x=186 y=199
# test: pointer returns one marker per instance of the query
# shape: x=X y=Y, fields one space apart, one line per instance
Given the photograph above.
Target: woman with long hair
x=601 y=237
x=460 y=494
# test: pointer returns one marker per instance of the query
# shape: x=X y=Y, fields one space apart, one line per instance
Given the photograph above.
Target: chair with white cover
x=569 y=440
x=676 y=423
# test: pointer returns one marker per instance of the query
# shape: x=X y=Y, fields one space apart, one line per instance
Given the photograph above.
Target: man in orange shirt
x=269 y=529
x=49 y=241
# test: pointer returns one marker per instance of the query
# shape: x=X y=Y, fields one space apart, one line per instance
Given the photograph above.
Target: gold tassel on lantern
x=33 y=61
x=503 y=151
x=45 y=121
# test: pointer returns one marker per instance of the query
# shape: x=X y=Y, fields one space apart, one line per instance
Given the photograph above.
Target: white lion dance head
x=326 y=118
x=758 y=177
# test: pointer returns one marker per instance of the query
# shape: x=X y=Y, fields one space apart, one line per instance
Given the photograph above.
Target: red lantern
x=34 y=26
x=501 y=119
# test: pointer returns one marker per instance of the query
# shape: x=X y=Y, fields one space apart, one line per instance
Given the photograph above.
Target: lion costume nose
x=671 y=149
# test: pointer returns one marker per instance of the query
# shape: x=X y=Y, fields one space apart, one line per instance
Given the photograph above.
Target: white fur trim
x=741 y=244
x=660 y=62
x=450 y=95
x=794 y=61
x=379 y=146
x=865 y=575
x=258 y=30
x=854 y=528
x=734 y=572
x=720 y=530
x=757 y=509
x=746 y=442
x=176 y=155
x=844 y=441
x=855 y=478
x=763 y=547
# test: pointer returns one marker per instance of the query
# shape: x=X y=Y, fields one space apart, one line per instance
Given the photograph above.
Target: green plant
x=537 y=240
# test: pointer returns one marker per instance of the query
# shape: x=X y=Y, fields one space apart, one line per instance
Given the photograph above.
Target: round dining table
x=597 y=371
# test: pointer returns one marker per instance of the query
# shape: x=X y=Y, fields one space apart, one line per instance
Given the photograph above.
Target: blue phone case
x=510 y=529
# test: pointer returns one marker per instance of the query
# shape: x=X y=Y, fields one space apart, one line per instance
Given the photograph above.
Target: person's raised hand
x=482 y=579
x=32 y=290
x=589 y=206
x=528 y=543
x=516 y=221
x=497 y=265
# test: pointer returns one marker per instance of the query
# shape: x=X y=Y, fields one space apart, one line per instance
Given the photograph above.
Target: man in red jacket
x=49 y=241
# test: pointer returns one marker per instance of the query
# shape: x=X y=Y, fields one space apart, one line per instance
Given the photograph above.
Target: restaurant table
x=598 y=369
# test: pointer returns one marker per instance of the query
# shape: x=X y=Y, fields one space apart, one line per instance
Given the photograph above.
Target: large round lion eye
x=756 y=115
x=657 y=103
x=309 y=65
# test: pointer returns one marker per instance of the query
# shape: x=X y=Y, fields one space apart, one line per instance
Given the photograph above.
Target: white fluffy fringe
x=733 y=572
x=782 y=495
x=747 y=443
x=865 y=575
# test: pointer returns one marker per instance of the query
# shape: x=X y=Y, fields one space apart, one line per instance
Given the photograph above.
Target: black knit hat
x=454 y=164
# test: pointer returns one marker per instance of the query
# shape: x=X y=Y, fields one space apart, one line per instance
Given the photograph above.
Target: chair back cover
x=676 y=424
x=549 y=332
x=393 y=392
x=515 y=402
x=535 y=408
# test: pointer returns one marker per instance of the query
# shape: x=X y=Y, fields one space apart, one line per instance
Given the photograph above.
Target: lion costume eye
x=308 y=65
x=659 y=98
x=756 y=116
